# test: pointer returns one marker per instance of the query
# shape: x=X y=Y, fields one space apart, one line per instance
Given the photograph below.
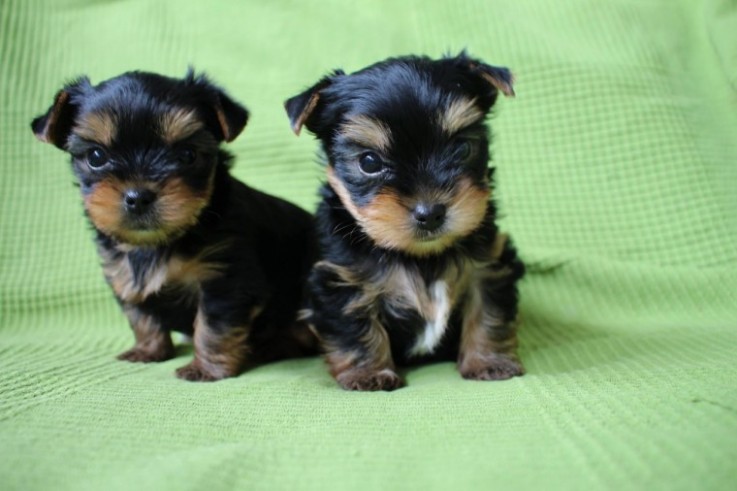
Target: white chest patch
x=437 y=319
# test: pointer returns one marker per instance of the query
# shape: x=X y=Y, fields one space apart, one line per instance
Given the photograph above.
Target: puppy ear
x=55 y=126
x=300 y=107
x=231 y=116
x=499 y=77
x=225 y=118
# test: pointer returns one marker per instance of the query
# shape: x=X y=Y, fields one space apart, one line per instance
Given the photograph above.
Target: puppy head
x=144 y=149
x=407 y=146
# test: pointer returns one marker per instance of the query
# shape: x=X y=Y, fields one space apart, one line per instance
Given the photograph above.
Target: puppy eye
x=186 y=156
x=370 y=163
x=464 y=151
x=97 y=158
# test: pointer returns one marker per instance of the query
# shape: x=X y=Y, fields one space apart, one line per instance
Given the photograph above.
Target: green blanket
x=617 y=177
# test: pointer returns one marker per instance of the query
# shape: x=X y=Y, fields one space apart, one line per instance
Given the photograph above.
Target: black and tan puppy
x=413 y=265
x=184 y=246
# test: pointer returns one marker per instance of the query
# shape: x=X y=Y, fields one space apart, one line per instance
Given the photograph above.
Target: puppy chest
x=136 y=276
x=417 y=313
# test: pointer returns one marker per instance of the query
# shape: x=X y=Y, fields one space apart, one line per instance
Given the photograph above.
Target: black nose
x=429 y=217
x=138 y=201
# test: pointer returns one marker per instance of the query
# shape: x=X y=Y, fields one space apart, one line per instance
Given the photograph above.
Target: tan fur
x=177 y=206
x=369 y=379
x=367 y=132
x=459 y=114
x=152 y=342
x=340 y=361
x=179 y=124
x=488 y=341
x=506 y=88
x=98 y=127
x=47 y=134
x=119 y=274
x=217 y=356
x=376 y=341
x=103 y=205
x=387 y=219
x=500 y=241
x=178 y=271
x=309 y=107
x=503 y=86
x=467 y=207
x=190 y=271
x=401 y=288
x=373 y=370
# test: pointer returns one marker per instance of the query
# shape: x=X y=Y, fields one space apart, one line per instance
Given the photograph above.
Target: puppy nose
x=429 y=216
x=137 y=201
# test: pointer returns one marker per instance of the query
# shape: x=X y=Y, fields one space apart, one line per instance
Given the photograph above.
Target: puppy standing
x=413 y=266
x=184 y=245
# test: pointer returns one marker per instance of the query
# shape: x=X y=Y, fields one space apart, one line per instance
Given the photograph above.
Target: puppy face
x=144 y=149
x=407 y=146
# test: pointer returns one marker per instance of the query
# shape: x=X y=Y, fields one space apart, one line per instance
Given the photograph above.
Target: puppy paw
x=140 y=355
x=194 y=372
x=365 y=380
x=497 y=367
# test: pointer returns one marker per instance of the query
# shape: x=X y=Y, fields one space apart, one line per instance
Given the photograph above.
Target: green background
x=617 y=177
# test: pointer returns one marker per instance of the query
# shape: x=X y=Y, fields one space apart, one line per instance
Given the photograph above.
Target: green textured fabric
x=617 y=177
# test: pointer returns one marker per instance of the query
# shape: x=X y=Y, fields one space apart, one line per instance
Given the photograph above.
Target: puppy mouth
x=143 y=213
x=425 y=243
x=142 y=223
x=426 y=237
x=142 y=231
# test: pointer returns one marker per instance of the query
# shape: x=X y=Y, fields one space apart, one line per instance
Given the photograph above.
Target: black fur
x=259 y=247
x=406 y=95
x=354 y=248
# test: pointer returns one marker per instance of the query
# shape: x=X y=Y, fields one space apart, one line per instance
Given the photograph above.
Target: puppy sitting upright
x=413 y=265
x=184 y=245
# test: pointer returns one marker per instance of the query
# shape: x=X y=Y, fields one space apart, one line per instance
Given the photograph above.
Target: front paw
x=140 y=355
x=366 y=380
x=493 y=367
x=195 y=372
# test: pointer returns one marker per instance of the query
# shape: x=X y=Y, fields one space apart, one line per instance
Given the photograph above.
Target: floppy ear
x=300 y=107
x=497 y=76
x=55 y=126
x=225 y=118
x=231 y=116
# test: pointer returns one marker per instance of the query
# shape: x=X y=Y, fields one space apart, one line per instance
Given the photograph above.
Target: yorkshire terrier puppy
x=184 y=246
x=413 y=266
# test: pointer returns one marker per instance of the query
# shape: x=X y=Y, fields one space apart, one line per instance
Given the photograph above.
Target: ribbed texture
x=617 y=170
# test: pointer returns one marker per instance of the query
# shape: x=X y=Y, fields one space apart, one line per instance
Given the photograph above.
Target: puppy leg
x=488 y=349
x=153 y=342
x=356 y=345
x=363 y=362
x=220 y=351
x=221 y=330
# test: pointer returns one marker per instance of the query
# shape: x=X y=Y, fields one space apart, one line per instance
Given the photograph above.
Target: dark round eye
x=370 y=163
x=97 y=157
x=464 y=150
x=186 y=156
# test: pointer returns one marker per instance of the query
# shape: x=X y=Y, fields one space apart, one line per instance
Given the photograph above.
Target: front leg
x=153 y=342
x=488 y=349
x=221 y=330
x=362 y=360
x=356 y=345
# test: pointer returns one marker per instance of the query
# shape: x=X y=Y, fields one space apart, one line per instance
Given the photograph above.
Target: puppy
x=413 y=266
x=184 y=246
